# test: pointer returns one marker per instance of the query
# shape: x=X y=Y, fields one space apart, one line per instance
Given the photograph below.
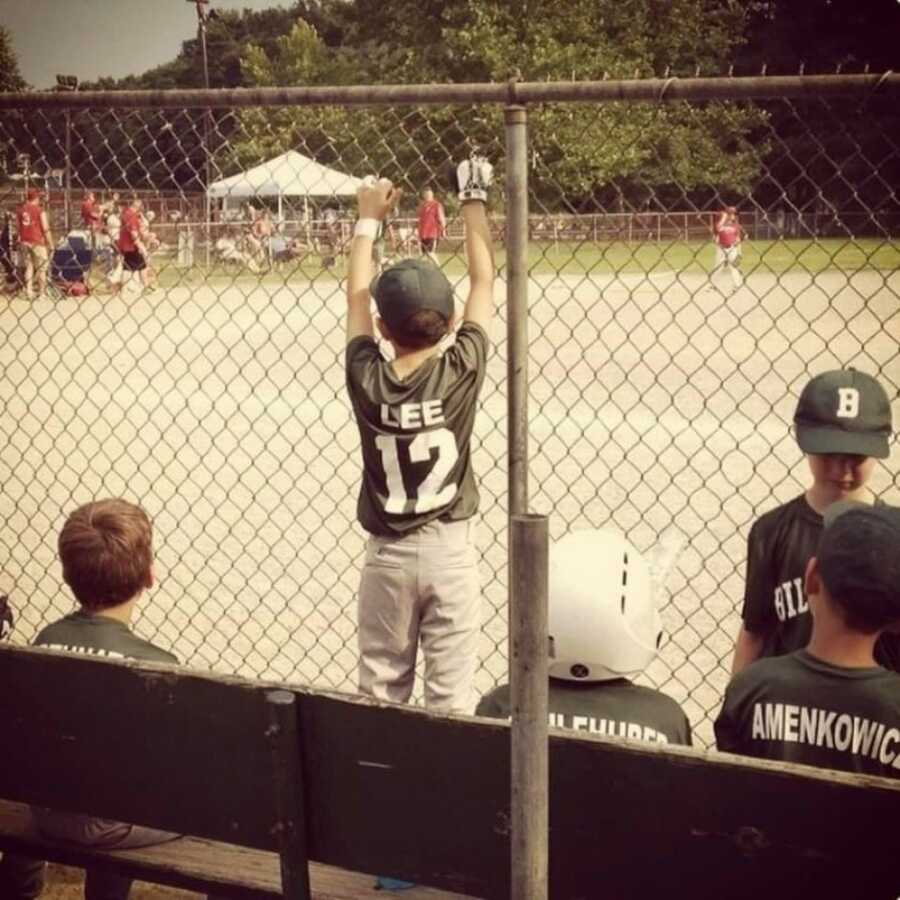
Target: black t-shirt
x=98 y=635
x=613 y=708
x=800 y=709
x=415 y=433
x=780 y=545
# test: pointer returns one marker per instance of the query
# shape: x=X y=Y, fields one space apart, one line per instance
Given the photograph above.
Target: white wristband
x=367 y=228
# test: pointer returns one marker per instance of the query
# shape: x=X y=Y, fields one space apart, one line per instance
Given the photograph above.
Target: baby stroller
x=70 y=265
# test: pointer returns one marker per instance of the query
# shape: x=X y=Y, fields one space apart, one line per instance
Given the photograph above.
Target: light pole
x=67 y=83
x=203 y=16
x=23 y=162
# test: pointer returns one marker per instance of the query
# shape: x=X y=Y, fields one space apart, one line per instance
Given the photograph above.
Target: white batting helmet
x=604 y=623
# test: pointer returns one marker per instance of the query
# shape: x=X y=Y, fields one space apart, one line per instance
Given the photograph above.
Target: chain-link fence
x=210 y=387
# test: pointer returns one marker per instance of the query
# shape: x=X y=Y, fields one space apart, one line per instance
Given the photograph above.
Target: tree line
x=584 y=157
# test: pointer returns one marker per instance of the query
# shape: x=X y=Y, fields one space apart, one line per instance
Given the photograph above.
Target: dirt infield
x=655 y=404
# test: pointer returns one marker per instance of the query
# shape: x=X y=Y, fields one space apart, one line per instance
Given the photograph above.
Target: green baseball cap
x=407 y=287
x=844 y=411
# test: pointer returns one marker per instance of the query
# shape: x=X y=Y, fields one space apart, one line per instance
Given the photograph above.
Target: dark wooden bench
x=250 y=769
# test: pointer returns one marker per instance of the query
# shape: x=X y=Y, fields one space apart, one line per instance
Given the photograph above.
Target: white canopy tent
x=290 y=175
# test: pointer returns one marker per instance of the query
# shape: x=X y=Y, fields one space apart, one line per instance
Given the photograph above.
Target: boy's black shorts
x=134 y=261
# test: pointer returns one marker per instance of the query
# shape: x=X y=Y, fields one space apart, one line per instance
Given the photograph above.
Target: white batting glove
x=471 y=178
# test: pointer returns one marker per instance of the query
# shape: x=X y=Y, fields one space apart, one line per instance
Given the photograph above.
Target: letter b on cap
x=848 y=403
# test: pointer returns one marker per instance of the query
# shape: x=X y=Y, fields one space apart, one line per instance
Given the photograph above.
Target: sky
x=93 y=38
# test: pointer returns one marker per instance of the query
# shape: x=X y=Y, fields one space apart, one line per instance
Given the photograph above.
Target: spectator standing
x=262 y=229
x=432 y=223
x=131 y=242
x=35 y=241
x=332 y=242
x=91 y=216
x=112 y=225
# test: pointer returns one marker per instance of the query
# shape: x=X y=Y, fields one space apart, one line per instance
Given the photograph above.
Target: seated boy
x=604 y=628
x=415 y=415
x=843 y=424
x=830 y=704
x=106 y=550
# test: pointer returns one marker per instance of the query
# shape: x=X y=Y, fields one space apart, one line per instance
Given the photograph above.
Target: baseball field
x=658 y=405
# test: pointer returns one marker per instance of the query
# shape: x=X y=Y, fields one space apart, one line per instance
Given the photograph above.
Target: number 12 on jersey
x=432 y=493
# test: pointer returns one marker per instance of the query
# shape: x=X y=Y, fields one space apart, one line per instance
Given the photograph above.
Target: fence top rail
x=649 y=89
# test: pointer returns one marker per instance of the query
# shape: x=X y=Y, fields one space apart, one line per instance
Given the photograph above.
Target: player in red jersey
x=35 y=241
x=131 y=241
x=90 y=214
x=432 y=223
x=728 y=236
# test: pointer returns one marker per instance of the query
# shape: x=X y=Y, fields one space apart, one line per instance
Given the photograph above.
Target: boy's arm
x=471 y=179
x=757 y=609
x=747 y=649
x=480 y=257
x=375 y=202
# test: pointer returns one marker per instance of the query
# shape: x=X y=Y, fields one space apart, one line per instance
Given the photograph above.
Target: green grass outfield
x=545 y=258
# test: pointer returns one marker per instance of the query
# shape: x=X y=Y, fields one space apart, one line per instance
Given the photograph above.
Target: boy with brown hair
x=106 y=550
x=843 y=424
x=415 y=415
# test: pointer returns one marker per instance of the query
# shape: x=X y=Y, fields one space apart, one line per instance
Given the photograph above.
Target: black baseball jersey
x=800 y=709
x=415 y=433
x=98 y=635
x=614 y=708
x=780 y=545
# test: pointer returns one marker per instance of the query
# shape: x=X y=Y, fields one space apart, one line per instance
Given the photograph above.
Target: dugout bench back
x=393 y=790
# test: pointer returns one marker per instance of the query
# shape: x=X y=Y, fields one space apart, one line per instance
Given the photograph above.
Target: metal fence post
x=529 y=769
x=288 y=787
x=517 y=304
x=68 y=170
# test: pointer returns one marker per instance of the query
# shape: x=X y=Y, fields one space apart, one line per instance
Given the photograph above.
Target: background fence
x=659 y=401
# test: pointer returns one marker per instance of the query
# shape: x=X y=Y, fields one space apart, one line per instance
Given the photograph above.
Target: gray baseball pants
x=421 y=588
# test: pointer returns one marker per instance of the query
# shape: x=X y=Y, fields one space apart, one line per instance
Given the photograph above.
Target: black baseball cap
x=859 y=558
x=408 y=286
x=844 y=411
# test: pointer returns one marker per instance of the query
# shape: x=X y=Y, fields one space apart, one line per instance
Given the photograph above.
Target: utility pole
x=68 y=83
x=203 y=16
